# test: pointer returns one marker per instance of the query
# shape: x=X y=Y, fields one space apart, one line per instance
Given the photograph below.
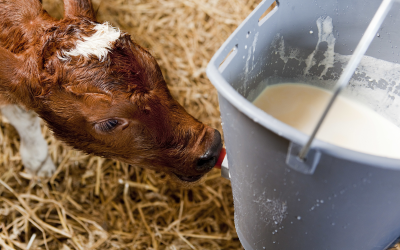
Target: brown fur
x=75 y=96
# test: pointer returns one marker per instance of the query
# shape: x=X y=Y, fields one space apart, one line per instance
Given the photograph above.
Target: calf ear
x=10 y=73
x=79 y=8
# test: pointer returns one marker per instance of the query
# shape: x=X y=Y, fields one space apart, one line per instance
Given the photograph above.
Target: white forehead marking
x=98 y=44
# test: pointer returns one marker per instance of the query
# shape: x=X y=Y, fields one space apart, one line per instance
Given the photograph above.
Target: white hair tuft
x=97 y=44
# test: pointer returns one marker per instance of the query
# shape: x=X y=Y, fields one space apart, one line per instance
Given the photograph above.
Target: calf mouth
x=191 y=178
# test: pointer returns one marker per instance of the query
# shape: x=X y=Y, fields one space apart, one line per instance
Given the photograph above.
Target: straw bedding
x=96 y=203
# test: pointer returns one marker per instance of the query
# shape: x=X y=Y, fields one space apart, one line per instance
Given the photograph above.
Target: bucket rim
x=294 y=135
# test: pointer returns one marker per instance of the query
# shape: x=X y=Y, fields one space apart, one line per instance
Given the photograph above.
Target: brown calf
x=97 y=90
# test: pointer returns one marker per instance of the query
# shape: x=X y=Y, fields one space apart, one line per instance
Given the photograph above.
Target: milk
x=348 y=124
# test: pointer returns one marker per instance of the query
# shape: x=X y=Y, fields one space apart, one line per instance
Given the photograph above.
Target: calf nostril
x=205 y=164
x=207 y=161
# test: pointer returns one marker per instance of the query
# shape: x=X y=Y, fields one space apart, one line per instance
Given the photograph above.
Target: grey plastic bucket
x=350 y=200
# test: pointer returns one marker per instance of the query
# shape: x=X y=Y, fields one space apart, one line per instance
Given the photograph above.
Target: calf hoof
x=35 y=166
x=47 y=169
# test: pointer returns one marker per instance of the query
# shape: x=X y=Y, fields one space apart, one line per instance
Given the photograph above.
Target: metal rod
x=348 y=72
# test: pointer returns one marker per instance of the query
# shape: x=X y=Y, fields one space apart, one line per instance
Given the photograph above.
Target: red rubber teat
x=220 y=158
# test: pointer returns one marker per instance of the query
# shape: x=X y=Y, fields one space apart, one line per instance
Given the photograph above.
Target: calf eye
x=106 y=126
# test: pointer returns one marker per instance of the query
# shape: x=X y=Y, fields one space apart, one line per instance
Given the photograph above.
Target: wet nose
x=207 y=161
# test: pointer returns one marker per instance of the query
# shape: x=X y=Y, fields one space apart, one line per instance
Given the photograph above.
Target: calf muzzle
x=207 y=161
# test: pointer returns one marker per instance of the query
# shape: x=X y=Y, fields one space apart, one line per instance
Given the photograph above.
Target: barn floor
x=95 y=203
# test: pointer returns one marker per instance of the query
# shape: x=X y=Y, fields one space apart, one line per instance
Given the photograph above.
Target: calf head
x=102 y=93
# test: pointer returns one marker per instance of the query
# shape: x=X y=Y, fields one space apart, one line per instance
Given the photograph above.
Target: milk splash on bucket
x=376 y=83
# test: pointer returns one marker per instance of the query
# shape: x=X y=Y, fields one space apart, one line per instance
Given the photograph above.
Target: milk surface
x=348 y=124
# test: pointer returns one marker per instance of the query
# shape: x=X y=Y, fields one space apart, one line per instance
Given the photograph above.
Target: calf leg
x=33 y=148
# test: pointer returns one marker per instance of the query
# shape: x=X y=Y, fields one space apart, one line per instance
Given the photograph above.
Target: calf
x=97 y=90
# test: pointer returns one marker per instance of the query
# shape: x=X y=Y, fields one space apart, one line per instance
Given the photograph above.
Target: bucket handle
x=306 y=160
